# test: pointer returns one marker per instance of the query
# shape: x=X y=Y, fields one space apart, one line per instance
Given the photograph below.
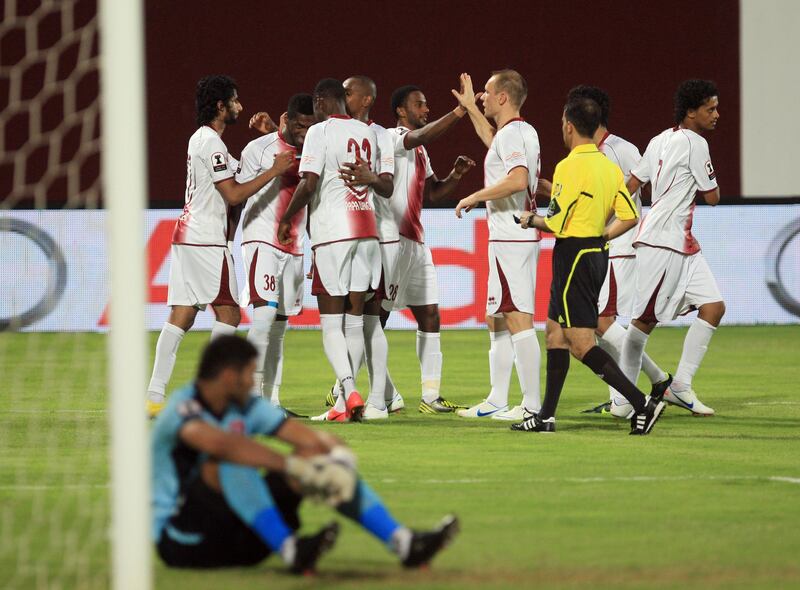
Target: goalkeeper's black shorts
x=206 y=533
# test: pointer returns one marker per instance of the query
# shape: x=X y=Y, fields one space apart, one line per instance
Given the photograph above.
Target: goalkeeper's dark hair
x=209 y=91
x=596 y=94
x=400 y=96
x=329 y=88
x=584 y=114
x=225 y=352
x=300 y=104
x=692 y=94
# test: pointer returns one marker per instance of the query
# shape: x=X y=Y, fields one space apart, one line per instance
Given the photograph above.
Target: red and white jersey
x=678 y=166
x=625 y=155
x=263 y=211
x=411 y=169
x=387 y=226
x=515 y=145
x=205 y=217
x=338 y=213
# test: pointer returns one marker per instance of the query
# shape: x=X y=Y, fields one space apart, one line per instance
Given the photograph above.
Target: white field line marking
x=39 y=411
x=469 y=481
x=636 y=478
x=771 y=403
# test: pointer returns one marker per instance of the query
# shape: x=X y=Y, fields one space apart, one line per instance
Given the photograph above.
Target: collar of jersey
x=340 y=117
x=586 y=148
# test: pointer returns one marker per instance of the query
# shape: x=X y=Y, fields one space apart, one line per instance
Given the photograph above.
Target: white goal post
x=124 y=182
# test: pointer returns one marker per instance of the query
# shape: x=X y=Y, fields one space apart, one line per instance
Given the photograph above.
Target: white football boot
x=687 y=400
x=373 y=413
x=515 y=414
x=482 y=410
x=621 y=408
x=395 y=404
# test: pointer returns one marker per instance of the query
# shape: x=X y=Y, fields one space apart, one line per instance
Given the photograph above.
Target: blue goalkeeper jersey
x=175 y=464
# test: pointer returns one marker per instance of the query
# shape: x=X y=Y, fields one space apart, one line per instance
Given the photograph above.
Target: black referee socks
x=557 y=367
x=601 y=363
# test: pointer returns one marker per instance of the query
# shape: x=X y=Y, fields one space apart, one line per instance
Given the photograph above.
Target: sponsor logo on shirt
x=514 y=156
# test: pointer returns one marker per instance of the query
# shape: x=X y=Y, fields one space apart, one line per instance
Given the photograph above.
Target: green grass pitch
x=701 y=503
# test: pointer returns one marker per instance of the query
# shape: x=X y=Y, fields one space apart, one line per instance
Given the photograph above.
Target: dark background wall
x=638 y=51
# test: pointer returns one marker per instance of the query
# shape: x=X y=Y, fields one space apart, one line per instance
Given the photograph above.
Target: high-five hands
x=466 y=97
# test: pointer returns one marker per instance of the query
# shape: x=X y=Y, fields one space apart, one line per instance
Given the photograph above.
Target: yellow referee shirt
x=586 y=187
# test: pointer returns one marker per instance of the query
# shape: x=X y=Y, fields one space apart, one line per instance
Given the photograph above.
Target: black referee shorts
x=579 y=269
x=206 y=533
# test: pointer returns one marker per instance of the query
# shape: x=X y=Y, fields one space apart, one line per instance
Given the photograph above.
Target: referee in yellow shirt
x=587 y=188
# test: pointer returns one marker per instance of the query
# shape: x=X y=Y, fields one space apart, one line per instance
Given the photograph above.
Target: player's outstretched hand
x=263 y=123
x=466 y=97
x=463 y=165
x=466 y=205
x=283 y=161
x=357 y=173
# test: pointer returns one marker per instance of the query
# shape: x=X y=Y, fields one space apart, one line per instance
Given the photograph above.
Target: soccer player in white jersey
x=511 y=171
x=673 y=278
x=273 y=271
x=414 y=284
x=201 y=268
x=619 y=288
x=344 y=235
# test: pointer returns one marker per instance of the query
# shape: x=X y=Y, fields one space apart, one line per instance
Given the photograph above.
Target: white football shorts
x=343 y=267
x=273 y=276
x=618 y=292
x=201 y=275
x=414 y=282
x=512 y=277
x=669 y=284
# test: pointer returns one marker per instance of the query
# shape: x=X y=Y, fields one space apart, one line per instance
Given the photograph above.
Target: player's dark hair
x=400 y=96
x=597 y=95
x=300 y=104
x=225 y=352
x=512 y=83
x=209 y=91
x=329 y=88
x=584 y=114
x=692 y=94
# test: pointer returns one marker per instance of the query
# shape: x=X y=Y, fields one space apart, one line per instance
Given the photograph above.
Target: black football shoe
x=536 y=424
x=311 y=549
x=426 y=544
x=642 y=424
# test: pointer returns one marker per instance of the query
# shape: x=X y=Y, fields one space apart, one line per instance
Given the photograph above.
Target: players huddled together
x=357 y=189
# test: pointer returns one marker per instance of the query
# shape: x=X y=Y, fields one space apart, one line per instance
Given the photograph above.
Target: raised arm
x=468 y=101
x=431 y=131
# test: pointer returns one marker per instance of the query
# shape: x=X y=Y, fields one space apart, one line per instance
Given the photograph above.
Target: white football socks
x=612 y=342
x=654 y=373
x=221 y=329
x=273 y=361
x=389 y=390
x=632 y=351
x=400 y=543
x=335 y=346
x=429 y=353
x=354 y=335
x=695 y=346
x=258 y=336
x=528 y=358
x=377 y=353
x=501 y=363
x=166 y=351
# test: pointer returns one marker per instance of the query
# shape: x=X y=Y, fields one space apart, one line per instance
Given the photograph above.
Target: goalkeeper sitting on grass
x=213 y=507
